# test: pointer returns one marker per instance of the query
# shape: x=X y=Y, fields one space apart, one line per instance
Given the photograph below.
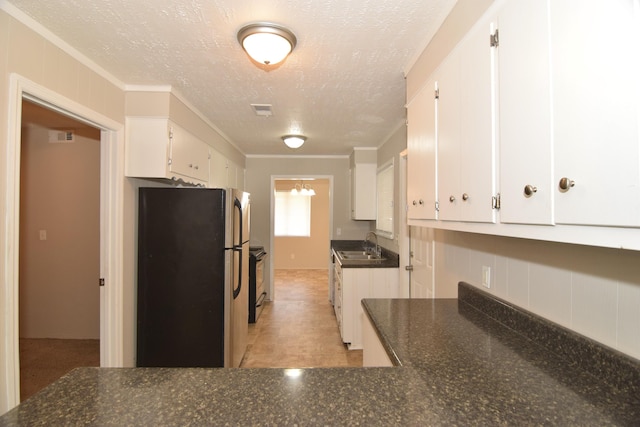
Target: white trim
x=404 y=232
x=111 y=229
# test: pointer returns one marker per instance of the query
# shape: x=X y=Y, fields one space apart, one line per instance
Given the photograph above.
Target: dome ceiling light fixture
x=266 y=43
x=294 y=141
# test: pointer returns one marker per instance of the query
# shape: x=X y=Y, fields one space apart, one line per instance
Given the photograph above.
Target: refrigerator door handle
x=238 y=248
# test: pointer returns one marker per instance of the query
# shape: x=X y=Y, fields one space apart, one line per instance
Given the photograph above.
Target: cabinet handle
x=421 y=202
x=529 y=190
x=465 y=196
x=452 y=199
x=565 y=184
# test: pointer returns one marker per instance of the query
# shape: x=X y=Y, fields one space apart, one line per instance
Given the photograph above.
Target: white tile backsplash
x=594 y=305
x=593 y=291
x=550 y=293
x=629 y=318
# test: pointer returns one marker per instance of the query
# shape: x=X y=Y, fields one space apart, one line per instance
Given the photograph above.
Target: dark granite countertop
x=457 y=366
x=391 y=259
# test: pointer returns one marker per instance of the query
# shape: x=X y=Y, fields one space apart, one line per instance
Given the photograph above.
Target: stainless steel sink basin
x=359 y=256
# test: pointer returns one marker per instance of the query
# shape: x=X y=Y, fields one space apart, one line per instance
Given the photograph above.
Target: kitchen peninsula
x=457 y=365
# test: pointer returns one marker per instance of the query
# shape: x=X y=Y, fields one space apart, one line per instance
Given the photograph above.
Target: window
x=292 y=214
x=384 y=218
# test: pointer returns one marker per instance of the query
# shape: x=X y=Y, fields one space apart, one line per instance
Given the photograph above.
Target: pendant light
x=267 y=43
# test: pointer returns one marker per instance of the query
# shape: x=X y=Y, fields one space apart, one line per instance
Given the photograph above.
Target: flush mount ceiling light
x=266 y=43
x=294 y=141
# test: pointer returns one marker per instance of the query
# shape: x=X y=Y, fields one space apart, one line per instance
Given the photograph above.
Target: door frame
x=272 y=204
x=111 y=229
x=404 y=231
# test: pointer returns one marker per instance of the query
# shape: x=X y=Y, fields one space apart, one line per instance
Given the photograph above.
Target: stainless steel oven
x=257 y=292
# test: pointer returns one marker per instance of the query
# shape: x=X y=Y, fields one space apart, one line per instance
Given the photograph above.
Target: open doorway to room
x=59 y=258
x=298 y=327
x=301 y=235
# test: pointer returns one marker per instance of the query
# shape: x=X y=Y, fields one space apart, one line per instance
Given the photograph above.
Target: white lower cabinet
x=373 y=352
x=352 y=286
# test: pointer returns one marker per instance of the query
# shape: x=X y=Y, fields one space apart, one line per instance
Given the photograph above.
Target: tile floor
x=298 y=329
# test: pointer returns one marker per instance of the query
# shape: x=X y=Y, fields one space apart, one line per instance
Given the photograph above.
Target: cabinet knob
x=421 y=202
x=529 y=190
x=465 y=196
x=196 y=167
x=452 y=199
x=565 y=184
x=415 y=203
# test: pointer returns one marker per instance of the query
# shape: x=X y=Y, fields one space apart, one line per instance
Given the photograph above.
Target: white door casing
x=111 y=230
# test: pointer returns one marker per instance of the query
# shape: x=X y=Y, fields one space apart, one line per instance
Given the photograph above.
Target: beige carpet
x=42 y=361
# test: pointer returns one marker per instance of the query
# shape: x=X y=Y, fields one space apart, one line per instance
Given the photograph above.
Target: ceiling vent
x=262 y=109
x=61 y=136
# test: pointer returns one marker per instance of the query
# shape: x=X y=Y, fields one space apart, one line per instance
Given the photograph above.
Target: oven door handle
x=261 y=299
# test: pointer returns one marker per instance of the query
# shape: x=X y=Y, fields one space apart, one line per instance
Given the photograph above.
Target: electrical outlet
x=486 y=276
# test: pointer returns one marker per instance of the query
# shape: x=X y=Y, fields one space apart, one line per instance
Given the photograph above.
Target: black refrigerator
x=193 y=267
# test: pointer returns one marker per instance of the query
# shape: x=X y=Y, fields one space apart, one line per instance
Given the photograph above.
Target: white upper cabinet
x=526 y=183
x=158 y=148
x=596 y=103
x=421 y=158
x=466 y=129
x=189 y=156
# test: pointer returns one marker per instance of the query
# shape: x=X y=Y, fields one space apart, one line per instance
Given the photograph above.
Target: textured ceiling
x=343 y=85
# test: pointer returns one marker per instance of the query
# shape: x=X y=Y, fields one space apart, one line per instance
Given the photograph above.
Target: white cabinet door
x=218 y=171
x=448 y=145
x=526 y=184
x=596 y=99
x=189 y=155
x=357 y=284
x=363 y=191
x=421 y=158
x=466 y=134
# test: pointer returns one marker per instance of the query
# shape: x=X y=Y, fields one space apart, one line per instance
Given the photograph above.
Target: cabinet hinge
x=102 y=281
x=437 y=93
x=170 y=132
x=494 y=41
x=437 y=206
x=495 y=201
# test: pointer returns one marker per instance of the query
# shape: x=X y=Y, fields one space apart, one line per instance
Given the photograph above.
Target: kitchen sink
x=359 y=256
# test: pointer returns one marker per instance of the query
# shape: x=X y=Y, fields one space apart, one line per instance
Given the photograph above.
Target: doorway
x=112 y=263
x=59 y=259
x=307 y=248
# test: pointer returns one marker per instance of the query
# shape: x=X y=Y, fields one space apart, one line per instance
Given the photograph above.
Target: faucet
x=376 y=248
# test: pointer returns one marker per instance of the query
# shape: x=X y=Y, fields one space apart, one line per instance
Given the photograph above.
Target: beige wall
x=306 y=253
x=60 y=194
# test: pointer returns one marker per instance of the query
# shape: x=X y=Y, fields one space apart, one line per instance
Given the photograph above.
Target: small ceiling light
x=267 y=43
x=294 y=141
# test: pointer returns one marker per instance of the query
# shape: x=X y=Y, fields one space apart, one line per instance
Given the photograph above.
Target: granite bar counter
x=457 y=365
